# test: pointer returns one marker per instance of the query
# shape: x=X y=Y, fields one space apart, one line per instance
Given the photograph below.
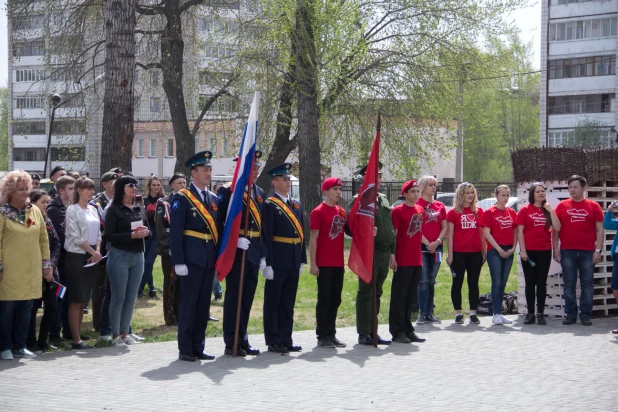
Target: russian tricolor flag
x=243 y=177
x=60 y=290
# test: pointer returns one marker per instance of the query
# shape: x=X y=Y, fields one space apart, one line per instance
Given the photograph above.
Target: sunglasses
x=131 y=185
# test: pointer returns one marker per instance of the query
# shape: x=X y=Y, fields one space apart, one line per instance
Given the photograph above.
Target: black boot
x=541 y=319
x=530 y=318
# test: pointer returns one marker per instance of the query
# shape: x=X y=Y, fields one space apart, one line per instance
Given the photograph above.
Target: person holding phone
x=611 y=223
x=83 y=245
x=125 y=231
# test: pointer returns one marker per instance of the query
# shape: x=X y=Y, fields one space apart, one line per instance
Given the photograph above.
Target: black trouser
x=403 y=289
x=61 y=318
x=330 y=284
x=98 y=293
x=470 y=262
x=536 y=278
x=49 y=312
x=279 y=300
x=196 y=288
x=171 y=292
x=230 y=304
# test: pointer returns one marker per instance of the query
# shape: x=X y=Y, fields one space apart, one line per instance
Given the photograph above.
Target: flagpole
x=375 y=277
x=242 y=263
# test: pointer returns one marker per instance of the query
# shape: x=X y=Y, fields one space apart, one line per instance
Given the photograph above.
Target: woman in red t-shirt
x=534 y=223
x=499 y=223
x=466 y=248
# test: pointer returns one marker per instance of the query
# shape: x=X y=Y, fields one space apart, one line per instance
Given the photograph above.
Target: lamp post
x=55 y=103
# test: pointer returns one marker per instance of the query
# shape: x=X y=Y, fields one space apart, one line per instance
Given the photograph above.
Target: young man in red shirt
x=581 y=245
x=326 y=253
x=408 y=224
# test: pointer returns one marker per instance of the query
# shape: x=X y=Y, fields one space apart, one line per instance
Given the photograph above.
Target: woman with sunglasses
x=534 y=223
x=125 y=232
x=466 y=248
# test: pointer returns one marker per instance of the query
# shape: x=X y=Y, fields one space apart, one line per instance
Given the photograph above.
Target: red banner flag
x=361 y=219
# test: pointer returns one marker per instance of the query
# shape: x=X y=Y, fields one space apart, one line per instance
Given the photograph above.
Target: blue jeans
x=426 y=287
x=150 y=255
x=499 y=270
x=216 y=287
x=573 y=261
x=14 y=322
x=124 y=272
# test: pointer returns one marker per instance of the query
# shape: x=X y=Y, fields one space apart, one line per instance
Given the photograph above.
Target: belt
x=249 y=233
x=290 y=240
x=199 y=235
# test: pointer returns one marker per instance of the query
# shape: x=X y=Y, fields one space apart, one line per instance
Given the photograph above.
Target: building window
x=23 y=128
x=154 y=77
x=29 y=154
x=565 y=138
x=587 y=103
x=29 y=48
x=169 y=148
x=29 y=75
x=140 y=147
x=153 y=148
x=219 y=50
x=213 y=145
x=224 y=104
x=29 y=22
x=582 y=29
x=28 y=102
x=226 y=147
x=583 y=67
x=69 y=127
x=155 y=104
x=138 y=103
x=68 y=154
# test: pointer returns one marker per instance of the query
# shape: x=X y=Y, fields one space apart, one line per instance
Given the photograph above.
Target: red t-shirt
x=329 y=221
x=578 y=220
x=536 y=235
x=501 y=224
x=408 y=222
x=434 y=214
x=466 y=236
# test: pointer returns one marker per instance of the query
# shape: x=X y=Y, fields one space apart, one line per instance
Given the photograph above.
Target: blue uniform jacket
x=189 y=249
x=257 y=250
x=284 y=256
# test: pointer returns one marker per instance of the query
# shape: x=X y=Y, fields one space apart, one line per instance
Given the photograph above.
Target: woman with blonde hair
x=24 y=257
x=154 y=190
x=434 y=232
x=83 y=245
x=466 y=248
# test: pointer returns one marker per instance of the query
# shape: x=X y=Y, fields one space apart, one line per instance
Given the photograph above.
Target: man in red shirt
x=408 y=225
x=326 y=253
x=581 y=245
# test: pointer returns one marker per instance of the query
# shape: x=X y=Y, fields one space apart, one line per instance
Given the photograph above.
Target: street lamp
x=55 y=100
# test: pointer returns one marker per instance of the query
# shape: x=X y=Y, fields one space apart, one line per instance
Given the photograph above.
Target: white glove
x=267 y=273
x=243 y=243
x=262 y=264
x=300 y=271
x=181 y=270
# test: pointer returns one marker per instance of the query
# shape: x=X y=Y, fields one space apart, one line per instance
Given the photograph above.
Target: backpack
x=509 y=304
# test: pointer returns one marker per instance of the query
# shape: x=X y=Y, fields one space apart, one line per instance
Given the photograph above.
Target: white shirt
x=78 y=225
x=200 y=191
x=285 y=199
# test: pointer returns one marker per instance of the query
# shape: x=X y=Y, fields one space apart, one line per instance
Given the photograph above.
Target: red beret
x=407 y=185
x=331 y=182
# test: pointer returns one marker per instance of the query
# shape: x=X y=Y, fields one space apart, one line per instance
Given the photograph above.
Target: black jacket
x=118 y=228
x=56 y=213
x=54 y=246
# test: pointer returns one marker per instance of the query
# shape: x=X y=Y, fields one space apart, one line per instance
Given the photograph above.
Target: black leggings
x=50 y=300
x=470 y=262
x=536 y=278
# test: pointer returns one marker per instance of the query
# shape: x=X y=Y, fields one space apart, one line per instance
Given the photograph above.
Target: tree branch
x=222 y=91
x=149 y=66
x=189 y=4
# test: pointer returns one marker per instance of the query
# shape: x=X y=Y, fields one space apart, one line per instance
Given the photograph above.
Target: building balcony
x=582 y=85
x=29 y=166
x=588 y=8
x=28 y=61
x=582 y=48
x=29 y=113
x=569 y=121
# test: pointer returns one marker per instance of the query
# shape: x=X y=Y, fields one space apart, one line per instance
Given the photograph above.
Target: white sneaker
x=105 y=338
x=498 y=320
x=128 y=340
x=6 y=355
x=119 y=342
x=506 y=321
x=136 y=337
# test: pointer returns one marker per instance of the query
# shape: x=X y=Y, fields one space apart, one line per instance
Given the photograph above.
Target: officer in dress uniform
x=177 y=182
x=251 y=240
x=284 y=257
x=193 y=241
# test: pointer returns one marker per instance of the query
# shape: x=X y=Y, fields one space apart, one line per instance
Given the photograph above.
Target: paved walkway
x=459 y=368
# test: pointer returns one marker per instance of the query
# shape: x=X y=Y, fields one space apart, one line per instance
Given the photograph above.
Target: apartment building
x=578 y=63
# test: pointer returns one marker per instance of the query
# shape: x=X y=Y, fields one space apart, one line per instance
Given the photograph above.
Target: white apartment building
x=578 y=68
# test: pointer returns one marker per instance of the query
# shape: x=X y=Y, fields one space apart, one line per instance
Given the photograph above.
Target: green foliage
x=4 y=129
x=589 y=134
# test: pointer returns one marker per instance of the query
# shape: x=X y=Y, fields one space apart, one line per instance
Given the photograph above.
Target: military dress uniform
x=170 y=281
x=285 y=254
x=253 y=256
x=193 y=241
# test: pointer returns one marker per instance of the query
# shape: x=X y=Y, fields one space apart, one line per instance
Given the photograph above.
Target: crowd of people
x=67 y=247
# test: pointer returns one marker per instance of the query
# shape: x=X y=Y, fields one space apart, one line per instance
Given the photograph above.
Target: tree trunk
x=172 y=51
x=307 y=107
x=117 y=138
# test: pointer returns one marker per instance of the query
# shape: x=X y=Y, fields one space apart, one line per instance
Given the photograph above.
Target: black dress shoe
x=414 y=337
x=239 y=352
x=204 y=356
x=278 y=349
x=337 y=342
x=365 y=339
x=382 y=341
x=294 y=348
x=251 y=350
x=186 y=357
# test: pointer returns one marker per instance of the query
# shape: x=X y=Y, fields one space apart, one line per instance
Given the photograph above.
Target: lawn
x=148 y=315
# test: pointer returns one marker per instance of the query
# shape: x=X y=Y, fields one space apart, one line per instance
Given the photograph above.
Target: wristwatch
x=599 y=250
